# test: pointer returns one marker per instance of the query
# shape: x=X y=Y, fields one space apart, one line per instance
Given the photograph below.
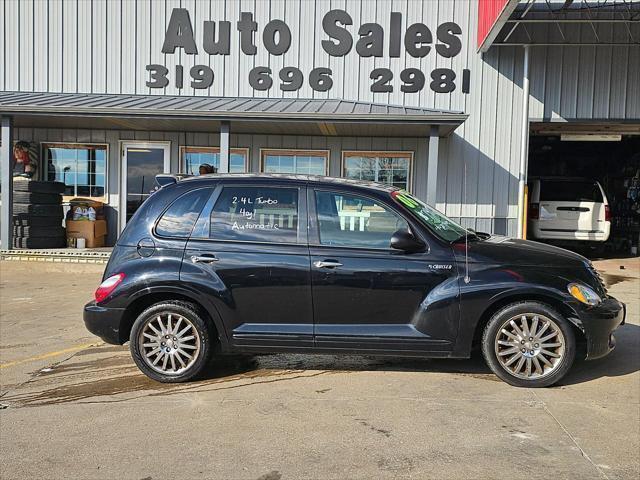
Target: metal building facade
x=105 y=46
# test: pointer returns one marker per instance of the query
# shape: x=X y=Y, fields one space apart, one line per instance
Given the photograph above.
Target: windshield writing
x=442 y=226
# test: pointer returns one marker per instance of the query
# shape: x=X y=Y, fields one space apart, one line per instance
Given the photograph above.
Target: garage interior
x=608 y=153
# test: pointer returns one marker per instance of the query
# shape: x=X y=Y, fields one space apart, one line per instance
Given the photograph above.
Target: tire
x=37 y=231
x=38 y=210
x=36 y=186
x=39 y=242
x=26 y=220
x=199 y=345
x=510 y=367
x=41 y=198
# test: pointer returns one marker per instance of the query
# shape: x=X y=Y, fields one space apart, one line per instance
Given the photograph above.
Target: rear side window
x=178 y=220
x=256 y=214
x=567 y=191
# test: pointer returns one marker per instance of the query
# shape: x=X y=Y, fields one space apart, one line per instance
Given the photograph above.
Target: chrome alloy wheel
x=530 y=346
x=169 y=344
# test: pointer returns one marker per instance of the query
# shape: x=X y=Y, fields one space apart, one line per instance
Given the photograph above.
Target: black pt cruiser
x=241 y=264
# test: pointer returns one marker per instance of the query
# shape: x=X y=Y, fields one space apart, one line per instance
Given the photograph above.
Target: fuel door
x=146 y=247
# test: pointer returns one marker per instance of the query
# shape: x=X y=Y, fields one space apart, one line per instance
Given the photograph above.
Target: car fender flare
x=208 y=306
x=540 y=293
x=502 y=295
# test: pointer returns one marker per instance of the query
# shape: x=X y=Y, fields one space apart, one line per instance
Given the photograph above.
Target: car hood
x=512 y=251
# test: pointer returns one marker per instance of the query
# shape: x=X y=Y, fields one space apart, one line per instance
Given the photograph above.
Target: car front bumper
x=598 y=324
x=104 y=322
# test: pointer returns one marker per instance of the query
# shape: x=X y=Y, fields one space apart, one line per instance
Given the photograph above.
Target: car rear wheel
x=528 y=344
x=170 y=342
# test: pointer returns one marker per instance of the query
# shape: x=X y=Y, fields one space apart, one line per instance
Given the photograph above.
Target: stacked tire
x=37 y=214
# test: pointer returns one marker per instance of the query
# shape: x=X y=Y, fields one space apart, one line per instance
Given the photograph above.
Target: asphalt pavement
x=72 y=407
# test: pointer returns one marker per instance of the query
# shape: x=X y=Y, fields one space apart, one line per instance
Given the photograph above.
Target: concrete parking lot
x=73 y=407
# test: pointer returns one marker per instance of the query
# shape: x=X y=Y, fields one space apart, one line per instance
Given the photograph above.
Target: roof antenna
x=467 y=278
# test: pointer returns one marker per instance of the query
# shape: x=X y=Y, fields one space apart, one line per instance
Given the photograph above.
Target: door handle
x=203 y=258
x=327 y=264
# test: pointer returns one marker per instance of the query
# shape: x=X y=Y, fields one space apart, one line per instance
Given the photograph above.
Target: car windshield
x=443 y=227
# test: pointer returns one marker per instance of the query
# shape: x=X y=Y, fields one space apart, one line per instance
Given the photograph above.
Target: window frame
x=314 y=222
x=409 y=154
x=202 y=229
x=296 y=152
x=209 y=149
x=45 y=167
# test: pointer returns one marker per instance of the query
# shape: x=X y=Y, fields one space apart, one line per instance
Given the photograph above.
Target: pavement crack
x=584 y=454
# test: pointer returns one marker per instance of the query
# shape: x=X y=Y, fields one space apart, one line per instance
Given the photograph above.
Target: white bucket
x=81 y=243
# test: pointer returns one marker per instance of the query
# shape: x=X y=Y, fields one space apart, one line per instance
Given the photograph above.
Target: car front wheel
x=529 y=344
x=170 y=342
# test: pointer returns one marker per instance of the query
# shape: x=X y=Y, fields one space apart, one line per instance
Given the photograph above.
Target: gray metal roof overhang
x=285 y=116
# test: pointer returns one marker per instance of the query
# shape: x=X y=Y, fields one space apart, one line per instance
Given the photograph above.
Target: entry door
x=141 y=162
x=367 y=296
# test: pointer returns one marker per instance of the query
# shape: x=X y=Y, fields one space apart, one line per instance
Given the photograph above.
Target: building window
x=194 y=157
x=306 y=162
x=390 y=168
x=81 y=167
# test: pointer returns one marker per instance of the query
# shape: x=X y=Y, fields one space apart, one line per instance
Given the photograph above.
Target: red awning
x=492 y=15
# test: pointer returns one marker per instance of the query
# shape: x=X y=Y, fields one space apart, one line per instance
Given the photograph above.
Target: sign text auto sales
x=372 y=40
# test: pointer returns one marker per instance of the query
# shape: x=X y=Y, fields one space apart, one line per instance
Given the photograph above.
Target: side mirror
x=403 y=240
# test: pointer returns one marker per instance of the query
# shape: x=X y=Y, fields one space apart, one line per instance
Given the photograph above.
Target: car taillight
x=108 y=286
x=534 y=211
x=607 y=213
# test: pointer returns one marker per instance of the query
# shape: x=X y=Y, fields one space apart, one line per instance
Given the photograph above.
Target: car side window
x=346 y=220
x=256 y=214
x=179 y=219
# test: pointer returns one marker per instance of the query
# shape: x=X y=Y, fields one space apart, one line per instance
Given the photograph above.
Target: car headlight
x=584 y=294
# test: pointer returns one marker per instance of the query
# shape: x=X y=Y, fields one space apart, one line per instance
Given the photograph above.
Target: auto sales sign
x=340 y=38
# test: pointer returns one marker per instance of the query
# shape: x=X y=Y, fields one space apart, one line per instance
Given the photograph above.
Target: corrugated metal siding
x=3 y=58
x=104 y=46
x=584 y=83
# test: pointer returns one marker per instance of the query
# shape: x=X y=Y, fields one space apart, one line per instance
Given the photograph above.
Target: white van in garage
x=564 y=208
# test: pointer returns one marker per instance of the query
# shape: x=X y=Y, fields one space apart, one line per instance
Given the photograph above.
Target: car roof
x=288 y=178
